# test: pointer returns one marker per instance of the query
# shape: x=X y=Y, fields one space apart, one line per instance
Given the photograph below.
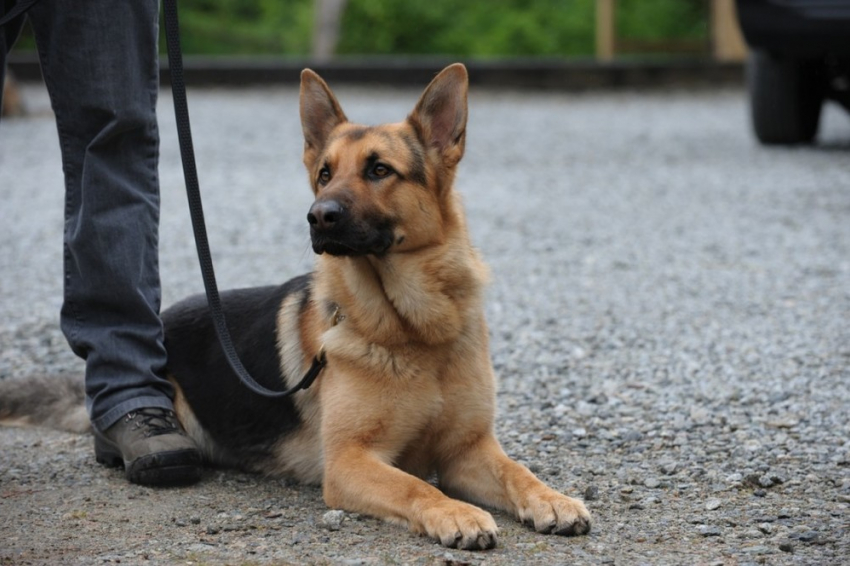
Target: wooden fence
x=725 y=42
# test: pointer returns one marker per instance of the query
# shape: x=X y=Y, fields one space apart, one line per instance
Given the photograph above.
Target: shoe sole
x=174 y=468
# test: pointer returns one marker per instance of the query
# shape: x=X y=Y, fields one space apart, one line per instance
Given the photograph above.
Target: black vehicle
x=800 y=56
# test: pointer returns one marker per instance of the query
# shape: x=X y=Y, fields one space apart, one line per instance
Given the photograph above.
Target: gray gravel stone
x=710 y=531
x=332 y=520
x=670 y=468
x=591 y=493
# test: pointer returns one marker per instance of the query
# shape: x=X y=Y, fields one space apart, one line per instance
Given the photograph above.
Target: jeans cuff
x=116 y=413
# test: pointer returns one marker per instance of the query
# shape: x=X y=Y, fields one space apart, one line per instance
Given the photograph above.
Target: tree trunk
x=328 y=18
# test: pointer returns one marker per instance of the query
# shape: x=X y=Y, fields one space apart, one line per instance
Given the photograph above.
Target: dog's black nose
x=325 y=214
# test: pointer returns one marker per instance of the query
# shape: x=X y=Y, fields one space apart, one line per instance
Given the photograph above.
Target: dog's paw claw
x=463 y=526
x=485 y=541
x=553 y=513
x=580 y=526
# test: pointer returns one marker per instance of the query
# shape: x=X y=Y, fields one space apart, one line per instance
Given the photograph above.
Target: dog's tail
x=55 y=402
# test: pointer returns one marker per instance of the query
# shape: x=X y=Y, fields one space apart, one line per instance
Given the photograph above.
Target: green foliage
x=662 y=19
x=474 y=28
x=461 y=28
x=241 y=27
x=493 y=28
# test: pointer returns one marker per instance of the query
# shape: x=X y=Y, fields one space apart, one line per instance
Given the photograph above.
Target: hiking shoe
x=152 y=447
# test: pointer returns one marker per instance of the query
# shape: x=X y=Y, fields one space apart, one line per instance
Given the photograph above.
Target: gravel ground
x=670 y=313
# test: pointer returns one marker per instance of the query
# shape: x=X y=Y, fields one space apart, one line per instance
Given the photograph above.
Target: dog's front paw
x=553 y=513
x=460 y=525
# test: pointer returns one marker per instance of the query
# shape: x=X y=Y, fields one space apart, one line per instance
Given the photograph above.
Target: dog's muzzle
x=334 y=230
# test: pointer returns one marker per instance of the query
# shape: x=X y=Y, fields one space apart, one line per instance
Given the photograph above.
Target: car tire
x=786 y=96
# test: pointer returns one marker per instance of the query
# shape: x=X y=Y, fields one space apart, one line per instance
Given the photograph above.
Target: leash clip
x=336 y=318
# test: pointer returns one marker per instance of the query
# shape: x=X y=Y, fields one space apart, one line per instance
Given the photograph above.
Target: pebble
x=710 y=531
x=633 y=436
x=700 y=415
x=759 y=550
x=670 y=468
x=332 y=520
x=751 y=534
x=591 y=493
x=784 y=422
x=808 y=536
x=713 y=504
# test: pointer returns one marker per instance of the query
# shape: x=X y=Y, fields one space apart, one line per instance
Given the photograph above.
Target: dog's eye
x=324 y=175
x=380 y=171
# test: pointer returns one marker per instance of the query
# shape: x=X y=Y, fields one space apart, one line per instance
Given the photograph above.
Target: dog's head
x=382 y=189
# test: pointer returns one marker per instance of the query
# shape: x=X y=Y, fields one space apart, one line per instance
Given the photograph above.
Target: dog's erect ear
x=320 y=111
x=440 y=114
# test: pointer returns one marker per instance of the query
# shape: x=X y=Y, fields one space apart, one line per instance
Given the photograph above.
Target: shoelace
x=155 y=420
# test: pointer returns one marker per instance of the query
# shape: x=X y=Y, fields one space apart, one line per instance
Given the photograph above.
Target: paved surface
x=670 y=313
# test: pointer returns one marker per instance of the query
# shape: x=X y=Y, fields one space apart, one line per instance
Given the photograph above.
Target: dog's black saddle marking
x=245 y=424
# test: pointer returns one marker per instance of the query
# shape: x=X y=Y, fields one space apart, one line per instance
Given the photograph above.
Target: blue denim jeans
x=99 y=59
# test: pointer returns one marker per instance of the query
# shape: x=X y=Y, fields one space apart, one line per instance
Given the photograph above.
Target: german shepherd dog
x=396 y=302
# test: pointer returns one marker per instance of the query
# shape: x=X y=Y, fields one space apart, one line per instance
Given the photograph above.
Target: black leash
x=184 y=134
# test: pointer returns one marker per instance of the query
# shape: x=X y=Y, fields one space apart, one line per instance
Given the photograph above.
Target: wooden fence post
x=605 y=30
x=727 y=42
x=13 y=103
x=326 y=23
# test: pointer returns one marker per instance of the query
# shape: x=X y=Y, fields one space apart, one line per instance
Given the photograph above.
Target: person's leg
x=100 y=62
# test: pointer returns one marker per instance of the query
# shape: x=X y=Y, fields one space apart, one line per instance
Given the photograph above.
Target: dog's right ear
x=320 y=113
